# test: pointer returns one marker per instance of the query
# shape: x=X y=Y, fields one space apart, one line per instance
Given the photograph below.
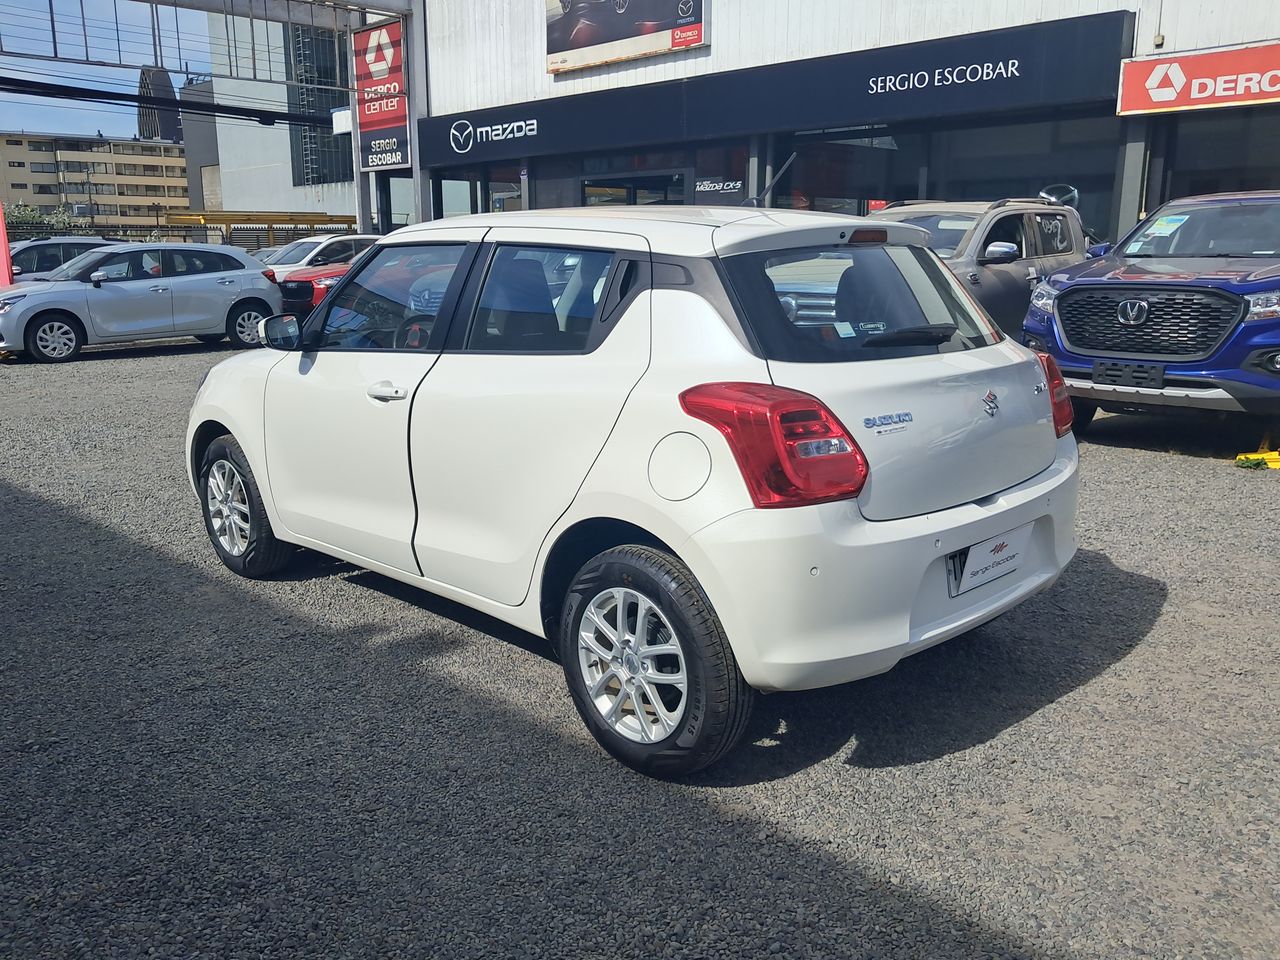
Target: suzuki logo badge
x=991 y=404
x=1166 y=82
x=1132 y=313
x=379 y=55
x=461 y=136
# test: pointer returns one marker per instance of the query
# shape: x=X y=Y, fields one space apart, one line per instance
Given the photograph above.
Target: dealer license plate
x=988 y=560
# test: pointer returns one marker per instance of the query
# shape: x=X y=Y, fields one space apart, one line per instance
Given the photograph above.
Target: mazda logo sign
x=462 y=136
x=685 y=8
x=1132 y=313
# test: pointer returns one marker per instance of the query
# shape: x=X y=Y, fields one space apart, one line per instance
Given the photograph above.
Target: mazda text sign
x=382 y=115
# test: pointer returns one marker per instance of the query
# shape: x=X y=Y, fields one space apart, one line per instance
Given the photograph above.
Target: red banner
x=6 y=263
x=382 y=116
x=1231 y=77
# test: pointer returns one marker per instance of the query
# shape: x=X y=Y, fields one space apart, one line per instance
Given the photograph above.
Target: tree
x=61 y=220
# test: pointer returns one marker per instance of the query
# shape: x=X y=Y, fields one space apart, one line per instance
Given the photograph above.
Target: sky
x=112 y=31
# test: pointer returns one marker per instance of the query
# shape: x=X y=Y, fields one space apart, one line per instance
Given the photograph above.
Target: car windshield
x=1223 y=229
x=946 y=230
x=834 y=304
x=295 y=252
x=73 y=267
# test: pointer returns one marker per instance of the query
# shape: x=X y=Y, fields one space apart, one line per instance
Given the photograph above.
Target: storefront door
x=638 y=188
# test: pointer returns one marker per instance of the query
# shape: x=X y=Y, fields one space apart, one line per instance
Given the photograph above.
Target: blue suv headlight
x=1043 y=296
x=1263 y=306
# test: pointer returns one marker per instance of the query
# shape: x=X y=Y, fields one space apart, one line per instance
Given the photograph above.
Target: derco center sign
x=1231 y=77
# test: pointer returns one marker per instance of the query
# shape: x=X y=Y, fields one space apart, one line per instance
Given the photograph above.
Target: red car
x=304 y=289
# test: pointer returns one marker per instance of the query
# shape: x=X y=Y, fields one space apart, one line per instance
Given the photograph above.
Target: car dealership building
x=703 y=101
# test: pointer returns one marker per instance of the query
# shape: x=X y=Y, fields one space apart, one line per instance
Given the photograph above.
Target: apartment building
x=109 y=182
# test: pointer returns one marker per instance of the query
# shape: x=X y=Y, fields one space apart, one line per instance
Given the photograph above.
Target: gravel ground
x=337 y=765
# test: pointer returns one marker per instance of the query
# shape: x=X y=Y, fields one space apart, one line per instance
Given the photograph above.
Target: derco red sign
x=1230 y=77
x=382 y=119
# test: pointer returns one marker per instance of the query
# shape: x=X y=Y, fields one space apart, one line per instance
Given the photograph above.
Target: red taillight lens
x=1062 y=414
x=270 y=275
x=790 y=448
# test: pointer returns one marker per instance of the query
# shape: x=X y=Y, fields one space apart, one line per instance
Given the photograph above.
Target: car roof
x=1241 y=196
x=179 y=246
x=320 y=237
x=24 y=243
x=679 y=230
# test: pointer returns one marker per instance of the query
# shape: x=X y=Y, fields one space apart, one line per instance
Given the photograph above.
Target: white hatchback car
x=608 y=428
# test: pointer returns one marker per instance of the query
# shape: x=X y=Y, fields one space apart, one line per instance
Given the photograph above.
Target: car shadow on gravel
x=961 y=693
x=1189 y=433
x=200 y=766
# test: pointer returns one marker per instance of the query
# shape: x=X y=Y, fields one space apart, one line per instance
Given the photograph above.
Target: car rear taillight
x=790 y=448
x=1062 y=414
x=270 y=275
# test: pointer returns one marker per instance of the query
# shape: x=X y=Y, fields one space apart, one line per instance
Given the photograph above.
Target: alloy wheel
x=228 y=504
x=633 y=665
x=56 y=339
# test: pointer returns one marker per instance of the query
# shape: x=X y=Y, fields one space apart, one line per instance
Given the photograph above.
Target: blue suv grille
x=1182 y=323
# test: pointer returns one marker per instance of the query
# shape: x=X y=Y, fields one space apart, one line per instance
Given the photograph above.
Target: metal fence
x=248 y=238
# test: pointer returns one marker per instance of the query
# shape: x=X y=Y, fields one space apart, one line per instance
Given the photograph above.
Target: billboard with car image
x=588 y=33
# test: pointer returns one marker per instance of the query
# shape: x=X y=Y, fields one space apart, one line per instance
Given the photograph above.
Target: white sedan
x=608 y=429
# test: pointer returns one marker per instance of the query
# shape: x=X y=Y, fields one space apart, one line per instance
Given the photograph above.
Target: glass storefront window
x=851 y=172
x=1217 y=151
x=505 y=191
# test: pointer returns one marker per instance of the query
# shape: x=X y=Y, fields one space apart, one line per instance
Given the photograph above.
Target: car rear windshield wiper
x=925 y=335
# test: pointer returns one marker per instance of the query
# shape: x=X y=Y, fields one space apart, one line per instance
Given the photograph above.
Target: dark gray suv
x=999 y=250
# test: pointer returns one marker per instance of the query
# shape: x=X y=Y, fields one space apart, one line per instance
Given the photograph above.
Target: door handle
x=225 y=282
x=158 y=289
x=385 y=390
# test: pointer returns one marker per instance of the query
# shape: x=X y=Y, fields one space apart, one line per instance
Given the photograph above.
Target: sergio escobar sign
x=382 y=116
x=1230 y=77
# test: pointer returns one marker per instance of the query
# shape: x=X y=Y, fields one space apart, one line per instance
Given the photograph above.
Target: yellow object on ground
x=1259 y=460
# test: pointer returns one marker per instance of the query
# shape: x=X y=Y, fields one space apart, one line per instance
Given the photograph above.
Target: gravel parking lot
x=334 y=764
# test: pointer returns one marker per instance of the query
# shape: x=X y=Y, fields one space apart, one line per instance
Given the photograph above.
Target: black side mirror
x=281 y=332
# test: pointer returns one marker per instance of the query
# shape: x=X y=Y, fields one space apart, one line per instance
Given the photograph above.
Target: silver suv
x=35 y=259
x=139 y=291
x=999 y=250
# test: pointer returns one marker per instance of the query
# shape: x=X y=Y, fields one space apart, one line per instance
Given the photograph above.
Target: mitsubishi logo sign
x=1166 y=82
x=379 y=55
x=461 y=136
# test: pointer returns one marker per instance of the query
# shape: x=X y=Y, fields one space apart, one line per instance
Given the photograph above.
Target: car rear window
x=840 y=303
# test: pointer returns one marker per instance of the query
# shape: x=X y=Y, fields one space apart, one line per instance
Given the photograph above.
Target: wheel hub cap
x=633 y=665
x=55 y=339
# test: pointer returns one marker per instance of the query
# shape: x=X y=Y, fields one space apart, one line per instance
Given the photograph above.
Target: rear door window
x=540 y=299
x=834 y=304
x=1053 y=233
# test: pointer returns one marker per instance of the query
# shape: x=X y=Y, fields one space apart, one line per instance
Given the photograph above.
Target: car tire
x=1082 y=414
x=234 y=517
x=54 y=338
x=655 y=726
x=242 y=323
x=211 y=338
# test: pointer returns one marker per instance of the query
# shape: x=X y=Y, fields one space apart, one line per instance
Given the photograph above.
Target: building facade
x=876 y=101
x=108 y=182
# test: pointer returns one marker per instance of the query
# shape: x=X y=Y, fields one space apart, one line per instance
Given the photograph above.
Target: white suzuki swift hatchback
x=705 y=452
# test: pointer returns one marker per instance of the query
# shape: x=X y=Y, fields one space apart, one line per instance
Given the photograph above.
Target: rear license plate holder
x=1122 y=374
x=989 y=560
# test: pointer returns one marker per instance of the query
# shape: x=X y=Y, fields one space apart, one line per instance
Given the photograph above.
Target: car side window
x=37 y=259
x=184 y=263
x=130 y=265
x=72 y=250
x=1053 y=232
x=225 y=263
x=340 y=251
x=394 y=301
x=539 y=299
x=1009 y=229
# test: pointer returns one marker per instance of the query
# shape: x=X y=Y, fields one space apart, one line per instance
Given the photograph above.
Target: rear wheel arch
x=573 y=548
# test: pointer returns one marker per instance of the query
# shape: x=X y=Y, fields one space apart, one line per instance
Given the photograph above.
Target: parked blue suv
x=1182 y=312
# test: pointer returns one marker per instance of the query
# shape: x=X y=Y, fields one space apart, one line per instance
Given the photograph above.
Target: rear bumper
x=816 y=596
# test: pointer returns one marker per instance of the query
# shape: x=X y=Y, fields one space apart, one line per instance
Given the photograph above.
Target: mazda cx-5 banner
x=587 y=33
x=382 y=119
